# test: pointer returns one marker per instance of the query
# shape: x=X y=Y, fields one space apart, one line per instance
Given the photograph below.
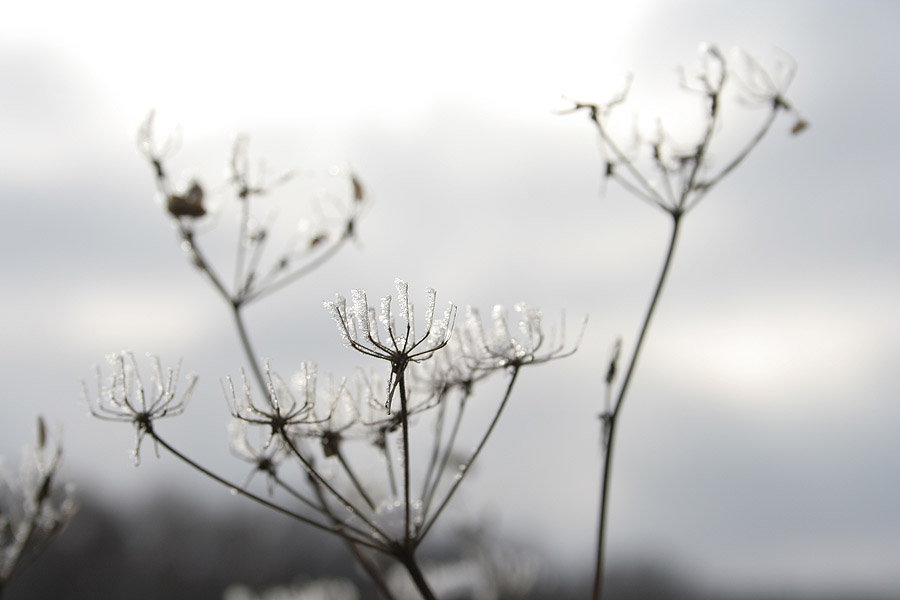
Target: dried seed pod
x=359 y=192
x=189 y=204
x=799 y=127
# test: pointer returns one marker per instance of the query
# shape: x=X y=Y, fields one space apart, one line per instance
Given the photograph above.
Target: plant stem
x=320 y=480
x=239 y=490
x=617 y=407
x=466 y=467
x=367 y=564
x=353 y=479
x=404 y=421
x=265 y=288
x=245 y=344
x=412 y=567
x=430 y=491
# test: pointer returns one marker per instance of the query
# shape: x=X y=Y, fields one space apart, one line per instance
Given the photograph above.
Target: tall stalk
x=686 y=179
x=611 y=418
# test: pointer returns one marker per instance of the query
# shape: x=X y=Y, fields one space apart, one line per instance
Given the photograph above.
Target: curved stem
x=737 y=160
x=310 y=469
x=321 y=508
x=239 y=490
x=617 y=407
x=461 y=475
x=267 y=288
x=367 y=564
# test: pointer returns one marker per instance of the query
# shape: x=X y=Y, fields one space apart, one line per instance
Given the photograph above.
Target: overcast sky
x=759 y=443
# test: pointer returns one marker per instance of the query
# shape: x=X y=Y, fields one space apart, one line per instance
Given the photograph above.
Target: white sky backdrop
x=759 y=444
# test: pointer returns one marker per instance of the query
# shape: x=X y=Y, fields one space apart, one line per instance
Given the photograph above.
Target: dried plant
x=314 y=438
x=374 y=458
x=35 y=505
x=674 y=177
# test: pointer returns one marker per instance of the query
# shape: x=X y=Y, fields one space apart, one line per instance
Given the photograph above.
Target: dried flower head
x=122 y=396
x=500 y=347
x=282 y=408
x=358 y=326
x=265 y=455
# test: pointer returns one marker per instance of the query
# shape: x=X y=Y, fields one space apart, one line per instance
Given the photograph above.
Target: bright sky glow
x=279 y=60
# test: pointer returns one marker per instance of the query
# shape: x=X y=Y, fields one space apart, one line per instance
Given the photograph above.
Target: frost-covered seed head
x=358 y=327
x=501 y=347
x=122 y=396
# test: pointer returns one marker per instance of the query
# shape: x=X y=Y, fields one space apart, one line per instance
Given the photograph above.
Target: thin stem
x=648 y=189
x=364 y=561
x=200 y=261
x=389 y=462
x=737 y=159
x=242 y=237
x=451 y=442
x=436 y=442
x=638 y=193
x=617 y=407
x=321 y=508
x=267 y=288
x=259 y=246
x=321 y=480
x=353 y=479
x=412 y=567
x=404 y=425
x=466 y=467
x=247 y=494
x=245 y=344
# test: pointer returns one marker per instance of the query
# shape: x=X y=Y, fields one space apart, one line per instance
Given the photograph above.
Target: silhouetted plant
x=308 y=436
x=674 y=176
x=309 y=425
x=35 y=505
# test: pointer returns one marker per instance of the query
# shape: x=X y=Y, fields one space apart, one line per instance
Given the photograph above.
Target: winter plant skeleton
x=35 y=505
x=314 y=429
x=288 y=416
x=674 y=178
x=307 y=436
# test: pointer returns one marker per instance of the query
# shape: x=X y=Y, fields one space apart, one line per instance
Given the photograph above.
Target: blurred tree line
x=170 y=547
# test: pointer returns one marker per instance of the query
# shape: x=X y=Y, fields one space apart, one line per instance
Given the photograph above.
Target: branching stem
x=467 y=466
x=247 y=494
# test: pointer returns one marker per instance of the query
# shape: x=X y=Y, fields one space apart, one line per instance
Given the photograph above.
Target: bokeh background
x=759 y=448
